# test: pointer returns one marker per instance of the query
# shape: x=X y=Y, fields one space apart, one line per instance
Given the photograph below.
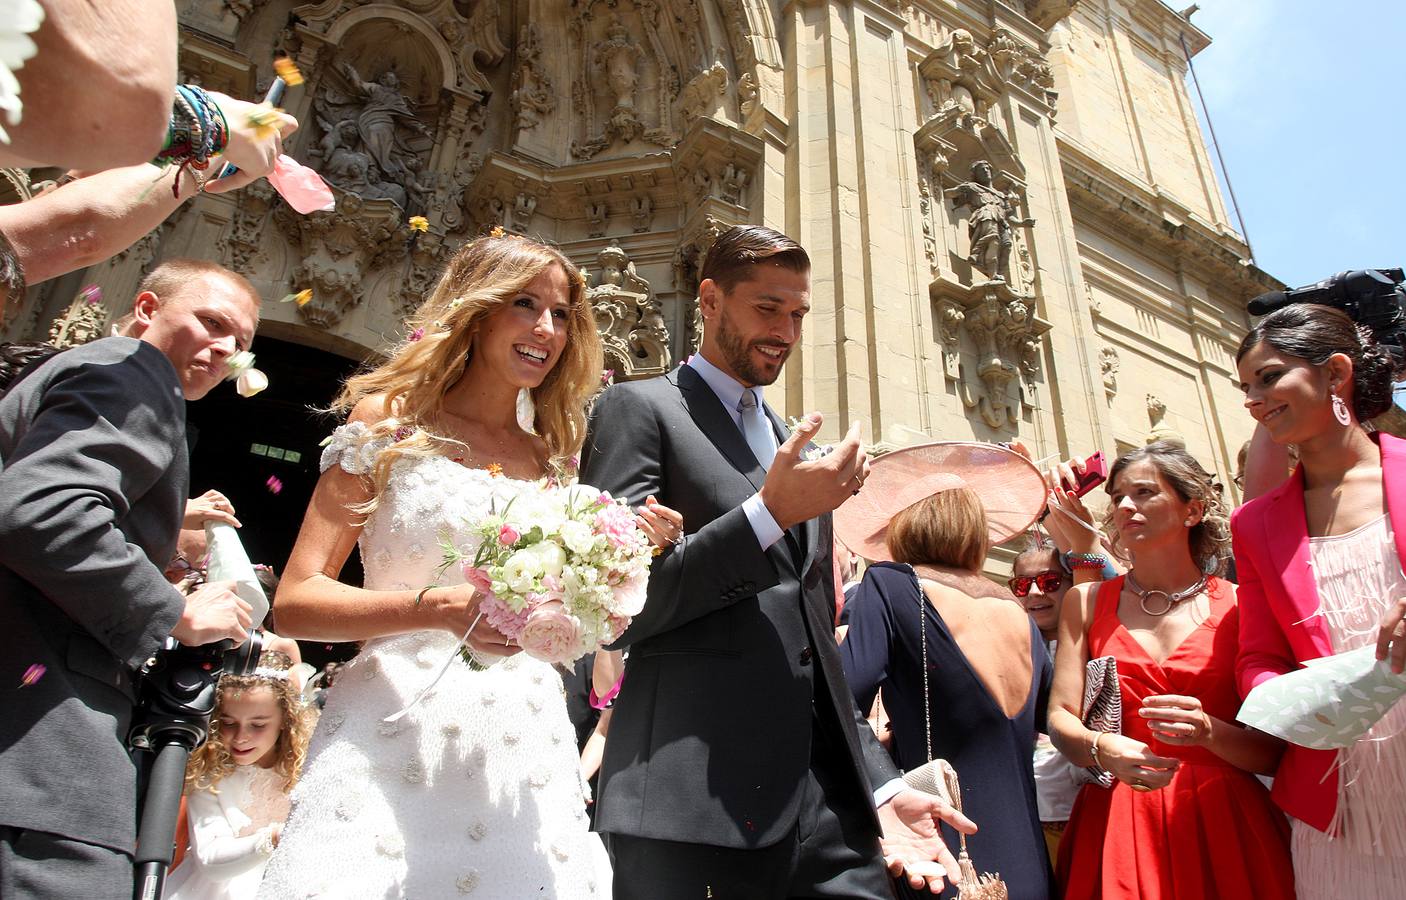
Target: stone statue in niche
x=372 y=141
x=629 y=317
x=618 y=58
x=993 y=214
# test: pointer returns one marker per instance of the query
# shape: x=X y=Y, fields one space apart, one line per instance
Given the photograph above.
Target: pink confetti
x=32 y=675
x=92 y=295
x=303 y=188
x=606 y=375
x=273 y=484
x=417 y=334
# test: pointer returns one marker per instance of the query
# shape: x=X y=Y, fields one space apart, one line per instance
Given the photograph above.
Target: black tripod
x=178 y=693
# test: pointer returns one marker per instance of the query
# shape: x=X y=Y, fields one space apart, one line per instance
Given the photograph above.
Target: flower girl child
x=237 y=783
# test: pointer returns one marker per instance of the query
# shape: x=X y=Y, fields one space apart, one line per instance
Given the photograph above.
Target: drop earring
x=526 y=411
x=1340 y=411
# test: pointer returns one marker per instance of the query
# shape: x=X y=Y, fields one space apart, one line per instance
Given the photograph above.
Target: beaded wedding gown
x=476 y=790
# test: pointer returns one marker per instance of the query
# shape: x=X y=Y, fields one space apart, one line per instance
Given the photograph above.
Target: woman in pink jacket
x=1319 y=560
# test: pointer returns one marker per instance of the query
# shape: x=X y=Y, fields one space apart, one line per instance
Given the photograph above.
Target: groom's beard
x=739 y=355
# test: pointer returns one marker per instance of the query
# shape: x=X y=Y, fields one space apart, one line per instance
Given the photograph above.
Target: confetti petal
x=417 y=334
x=32 y=675
x=497 y=231
x=274 y=485
x=92 y=295
x=419 y=223
x=286 y=69
x=251 y=382
x=302 y=298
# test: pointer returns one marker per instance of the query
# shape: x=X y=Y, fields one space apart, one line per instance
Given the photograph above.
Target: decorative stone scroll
x=629 y=317
x=337 y=248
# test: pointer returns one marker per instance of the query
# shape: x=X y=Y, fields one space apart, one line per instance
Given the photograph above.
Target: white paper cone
x=229 y=562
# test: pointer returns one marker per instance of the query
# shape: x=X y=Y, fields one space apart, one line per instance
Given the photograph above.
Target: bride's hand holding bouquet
x=561 y=572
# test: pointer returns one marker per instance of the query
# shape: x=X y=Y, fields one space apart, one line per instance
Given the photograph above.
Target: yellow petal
x=250 y=382
x=288 y=71
x=419 y=223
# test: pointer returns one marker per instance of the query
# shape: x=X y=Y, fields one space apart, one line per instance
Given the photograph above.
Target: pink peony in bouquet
x=561 y=570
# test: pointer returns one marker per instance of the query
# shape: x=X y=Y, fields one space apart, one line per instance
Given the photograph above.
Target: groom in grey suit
x=93 y=476
x=737 y=764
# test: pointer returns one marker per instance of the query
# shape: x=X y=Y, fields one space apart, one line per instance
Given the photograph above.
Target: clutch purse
x=1102 y=709
x=937 y=777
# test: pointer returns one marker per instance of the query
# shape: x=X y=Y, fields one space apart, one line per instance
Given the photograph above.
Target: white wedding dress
x=477 y=790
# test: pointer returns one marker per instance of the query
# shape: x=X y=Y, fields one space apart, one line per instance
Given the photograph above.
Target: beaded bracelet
x=1086 y=560
x=197 y=130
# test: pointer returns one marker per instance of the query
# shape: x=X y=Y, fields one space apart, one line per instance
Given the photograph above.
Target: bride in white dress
x=476 y=789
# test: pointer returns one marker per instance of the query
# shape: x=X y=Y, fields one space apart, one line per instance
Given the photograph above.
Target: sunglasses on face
x=1048 y=582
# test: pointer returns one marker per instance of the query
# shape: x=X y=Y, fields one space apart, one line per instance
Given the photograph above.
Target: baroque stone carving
x=429 y=254
x=242 y=240
x=1156 y=414
x=1108 y=364
x=705 y=95
x=372 y=142
x=84 y=320
x=1007 y=336
x=624 y=89
x=629 y=317
x=534 y=96
x=994 y=214
x=338 y=248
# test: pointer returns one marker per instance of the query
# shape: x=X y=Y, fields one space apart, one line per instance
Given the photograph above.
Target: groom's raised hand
x=797 y=490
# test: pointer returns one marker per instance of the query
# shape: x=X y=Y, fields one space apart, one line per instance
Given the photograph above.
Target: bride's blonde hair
x=482 y=277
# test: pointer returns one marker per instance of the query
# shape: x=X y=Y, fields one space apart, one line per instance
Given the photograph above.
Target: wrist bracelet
x=423 y=591
x=1086 y=560
x=1093 y=751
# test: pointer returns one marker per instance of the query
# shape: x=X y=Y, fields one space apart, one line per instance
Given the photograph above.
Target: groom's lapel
x=707 y=411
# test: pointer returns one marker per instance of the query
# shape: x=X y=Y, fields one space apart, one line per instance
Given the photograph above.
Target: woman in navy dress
x=988 y=673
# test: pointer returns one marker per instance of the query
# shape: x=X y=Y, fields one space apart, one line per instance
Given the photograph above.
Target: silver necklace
x=1170 y=599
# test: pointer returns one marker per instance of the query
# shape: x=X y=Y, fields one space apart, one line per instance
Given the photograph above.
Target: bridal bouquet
x=561 y=570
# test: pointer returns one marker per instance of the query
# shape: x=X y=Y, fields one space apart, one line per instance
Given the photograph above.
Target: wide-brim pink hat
x=1011 y=489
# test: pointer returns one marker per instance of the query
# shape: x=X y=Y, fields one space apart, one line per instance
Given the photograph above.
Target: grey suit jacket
x=93 y=479
x=733 y=660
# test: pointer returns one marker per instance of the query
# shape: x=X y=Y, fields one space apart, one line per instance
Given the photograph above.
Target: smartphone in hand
x=1095 y=474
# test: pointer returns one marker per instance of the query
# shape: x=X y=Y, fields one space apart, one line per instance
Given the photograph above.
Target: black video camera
x=178 y=690
x=178 y=687
x=1373 y=298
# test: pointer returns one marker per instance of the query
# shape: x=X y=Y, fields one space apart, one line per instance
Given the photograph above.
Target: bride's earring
x=526 y=412
x=1340 y=411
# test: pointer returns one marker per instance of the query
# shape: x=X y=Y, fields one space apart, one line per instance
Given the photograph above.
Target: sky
x=1308 y=101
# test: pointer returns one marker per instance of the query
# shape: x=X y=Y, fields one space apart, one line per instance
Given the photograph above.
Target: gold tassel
x=972 y=886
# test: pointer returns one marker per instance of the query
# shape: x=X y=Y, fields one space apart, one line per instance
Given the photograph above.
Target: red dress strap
x=1105 y=619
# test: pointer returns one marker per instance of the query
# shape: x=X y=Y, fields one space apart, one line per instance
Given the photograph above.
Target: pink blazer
x=1280 y=625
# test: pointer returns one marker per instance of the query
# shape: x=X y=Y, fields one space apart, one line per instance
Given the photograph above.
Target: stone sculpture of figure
x=334 y=137
x=618 y=58
x=384 y=111
x=419 y=185
x=993 y=214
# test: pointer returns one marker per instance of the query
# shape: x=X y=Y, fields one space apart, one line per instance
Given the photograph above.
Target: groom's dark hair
x=733 y=254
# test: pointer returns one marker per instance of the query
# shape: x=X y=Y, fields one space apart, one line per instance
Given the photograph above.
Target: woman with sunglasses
x=963 y=670
x=1185 y=817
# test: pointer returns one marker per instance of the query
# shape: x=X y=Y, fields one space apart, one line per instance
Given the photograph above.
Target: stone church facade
x=1015 y=227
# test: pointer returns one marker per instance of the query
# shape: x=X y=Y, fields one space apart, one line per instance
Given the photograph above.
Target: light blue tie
x=756 y=428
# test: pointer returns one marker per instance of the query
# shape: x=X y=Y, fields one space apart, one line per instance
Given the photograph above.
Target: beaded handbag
x=1102 y=709
x=937 y=777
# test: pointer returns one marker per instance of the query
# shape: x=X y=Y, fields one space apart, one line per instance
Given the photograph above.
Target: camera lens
x=244 y=659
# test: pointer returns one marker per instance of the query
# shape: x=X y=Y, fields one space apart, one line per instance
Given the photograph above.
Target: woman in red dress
x=1185 y=817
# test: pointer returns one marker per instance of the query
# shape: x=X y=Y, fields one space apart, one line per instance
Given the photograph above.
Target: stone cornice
x=1161 y=220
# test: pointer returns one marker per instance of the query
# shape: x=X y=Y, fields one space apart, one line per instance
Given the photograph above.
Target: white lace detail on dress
x=477 y=789
x=352 y=447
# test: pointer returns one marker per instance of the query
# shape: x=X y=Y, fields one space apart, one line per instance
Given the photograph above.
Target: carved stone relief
x=241 y=243
x=84 y=320
x=1007 y=337
x=625 y=86
x=1108 y=364
x=1156 y=415
x=705 y=94
x=372 y=142
x=629 y=317
x=337 y=249
x=534 y=96
x=994 y=216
